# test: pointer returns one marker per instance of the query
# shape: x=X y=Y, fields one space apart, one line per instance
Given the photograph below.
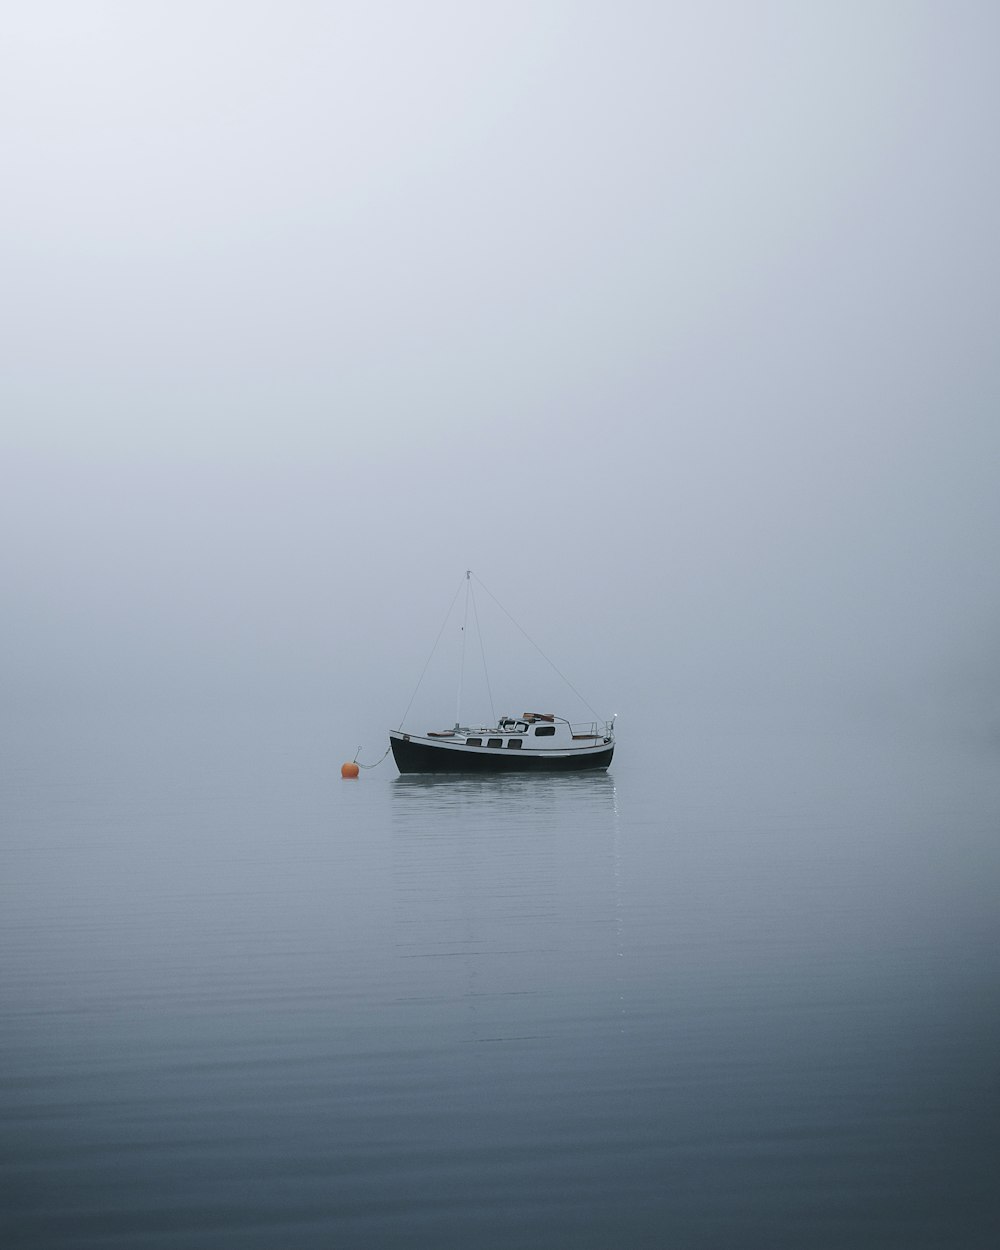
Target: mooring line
x=377 y=762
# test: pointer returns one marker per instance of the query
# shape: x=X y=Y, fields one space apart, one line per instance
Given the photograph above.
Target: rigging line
x=461 y=669
x=482 y=652
x=431 y=656
x=536 y=646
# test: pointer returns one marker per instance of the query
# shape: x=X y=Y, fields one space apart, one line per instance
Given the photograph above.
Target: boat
x=530 y=742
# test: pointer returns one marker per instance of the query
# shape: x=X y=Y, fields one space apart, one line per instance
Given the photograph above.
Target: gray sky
x=677 y=323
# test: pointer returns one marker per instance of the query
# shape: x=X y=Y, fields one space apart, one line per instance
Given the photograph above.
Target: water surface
x=741 y=991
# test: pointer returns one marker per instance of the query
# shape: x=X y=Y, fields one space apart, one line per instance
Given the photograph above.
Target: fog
x=677 y=324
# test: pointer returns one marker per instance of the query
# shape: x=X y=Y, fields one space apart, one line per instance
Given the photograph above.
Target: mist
x=676 y=324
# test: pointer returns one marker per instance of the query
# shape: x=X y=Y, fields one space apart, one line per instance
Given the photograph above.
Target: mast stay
x=470 y=595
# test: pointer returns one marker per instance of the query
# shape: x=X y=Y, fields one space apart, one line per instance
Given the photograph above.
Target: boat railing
x=592 y=729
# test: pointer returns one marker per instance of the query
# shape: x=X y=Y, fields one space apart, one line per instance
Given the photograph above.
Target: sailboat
x=528 y=742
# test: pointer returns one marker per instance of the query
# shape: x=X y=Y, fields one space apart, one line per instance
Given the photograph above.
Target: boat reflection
x=506 y=796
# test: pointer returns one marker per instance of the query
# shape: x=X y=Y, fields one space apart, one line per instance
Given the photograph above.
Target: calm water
x=743 y=991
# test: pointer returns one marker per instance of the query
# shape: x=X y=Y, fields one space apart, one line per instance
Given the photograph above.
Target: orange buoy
x=349 y=770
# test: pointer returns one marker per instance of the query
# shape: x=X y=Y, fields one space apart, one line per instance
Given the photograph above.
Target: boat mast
x=461 y=667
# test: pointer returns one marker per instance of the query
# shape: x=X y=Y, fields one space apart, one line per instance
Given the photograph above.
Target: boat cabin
x=535 y=730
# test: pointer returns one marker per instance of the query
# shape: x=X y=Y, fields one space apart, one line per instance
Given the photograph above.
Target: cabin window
x=514 y=743
x=495 y=742
x=473 y=742
x=544 y=731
